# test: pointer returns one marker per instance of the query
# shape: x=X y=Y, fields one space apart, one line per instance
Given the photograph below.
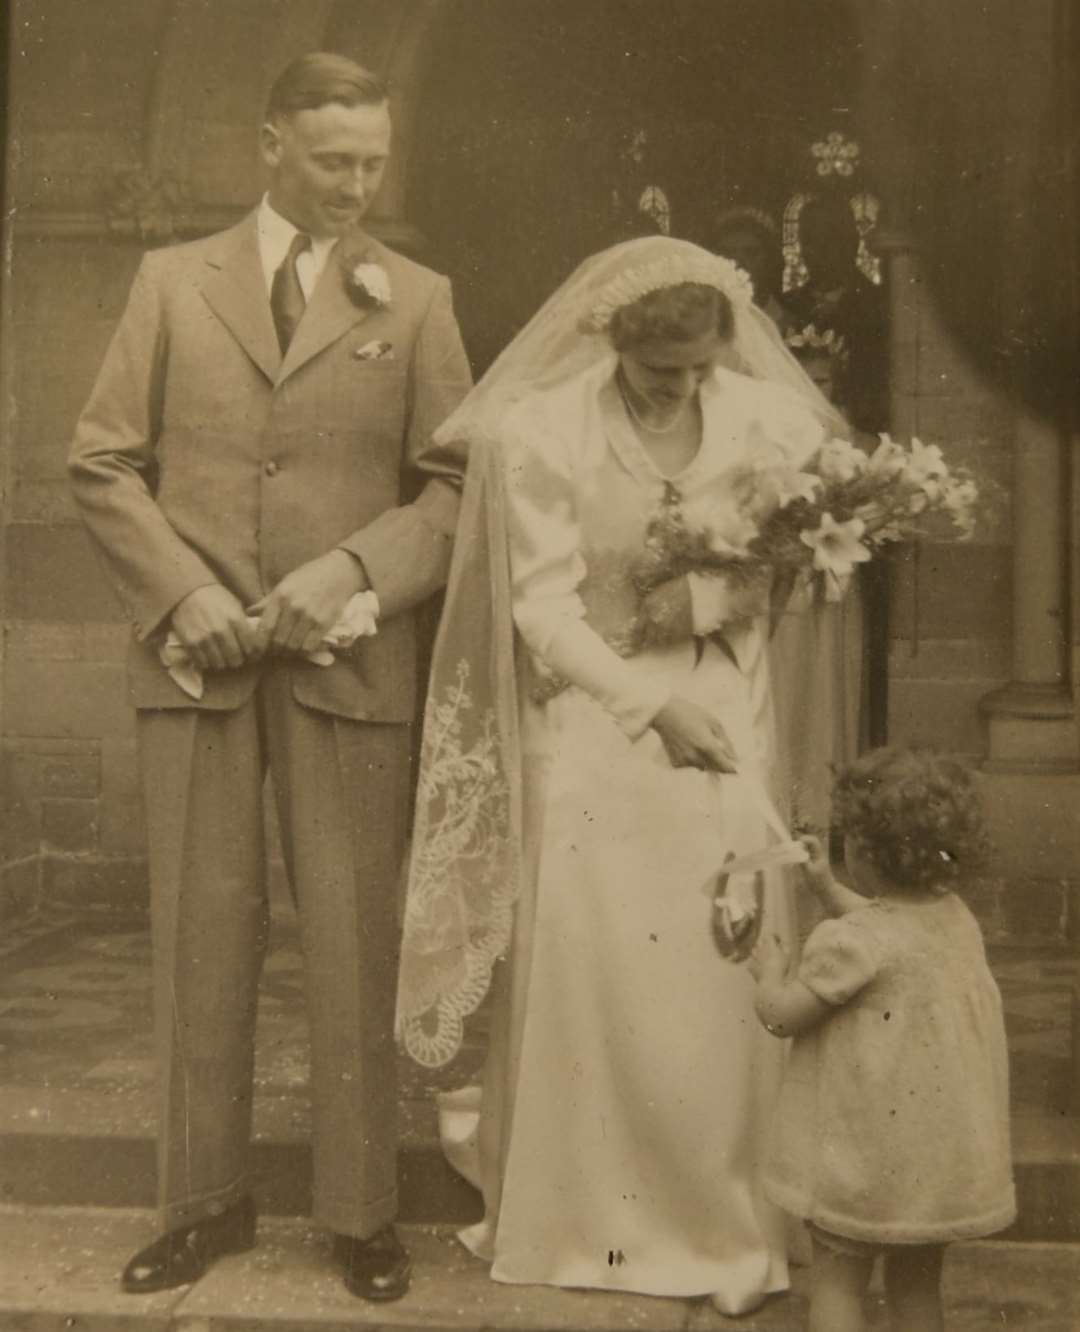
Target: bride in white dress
x=577 y=794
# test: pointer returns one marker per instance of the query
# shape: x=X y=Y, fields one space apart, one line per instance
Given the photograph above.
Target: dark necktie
x=286 y=294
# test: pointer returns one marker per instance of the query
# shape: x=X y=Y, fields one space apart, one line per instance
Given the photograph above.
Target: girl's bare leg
x=838 y=1284
x=913 y=1287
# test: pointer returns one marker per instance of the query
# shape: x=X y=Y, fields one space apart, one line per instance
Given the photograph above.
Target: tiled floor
x=1037 y=990
x=76 y=1023
x=76 y=1061
x=75 y=1018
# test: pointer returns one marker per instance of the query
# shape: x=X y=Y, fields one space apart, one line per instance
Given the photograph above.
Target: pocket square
x=375 y=351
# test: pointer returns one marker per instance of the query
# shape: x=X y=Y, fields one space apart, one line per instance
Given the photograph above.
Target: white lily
x=790 y=484
x=728 y=529
x=837 y=547
x=958 y=501
x=926 y=467
x=840 y=460
x=889 y=458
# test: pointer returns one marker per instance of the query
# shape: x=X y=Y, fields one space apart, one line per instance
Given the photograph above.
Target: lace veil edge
x=465 y=865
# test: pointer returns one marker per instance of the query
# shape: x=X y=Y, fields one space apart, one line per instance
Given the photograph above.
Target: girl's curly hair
x=914 y=815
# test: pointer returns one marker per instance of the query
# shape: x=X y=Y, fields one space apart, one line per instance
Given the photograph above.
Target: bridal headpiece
x=670 y=271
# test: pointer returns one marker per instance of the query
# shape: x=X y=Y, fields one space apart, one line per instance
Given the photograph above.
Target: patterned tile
x=75 y=1013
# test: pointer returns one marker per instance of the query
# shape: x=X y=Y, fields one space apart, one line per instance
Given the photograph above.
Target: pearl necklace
x=632 y=412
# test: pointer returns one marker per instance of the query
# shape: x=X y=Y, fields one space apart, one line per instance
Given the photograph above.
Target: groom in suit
x=256 y=452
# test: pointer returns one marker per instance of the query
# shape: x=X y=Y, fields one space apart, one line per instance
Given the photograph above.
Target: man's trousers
x=341 y=789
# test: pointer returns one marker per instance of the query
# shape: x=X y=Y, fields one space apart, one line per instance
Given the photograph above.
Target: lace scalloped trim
x=464 y=873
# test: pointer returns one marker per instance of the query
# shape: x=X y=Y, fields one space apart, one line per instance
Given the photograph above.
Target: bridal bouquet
x=818 y=522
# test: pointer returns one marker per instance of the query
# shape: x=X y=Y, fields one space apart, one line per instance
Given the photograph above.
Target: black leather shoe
x=183 y=1255
x=377 y=1268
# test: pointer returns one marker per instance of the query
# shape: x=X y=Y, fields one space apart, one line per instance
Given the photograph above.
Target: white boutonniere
x=369 y=285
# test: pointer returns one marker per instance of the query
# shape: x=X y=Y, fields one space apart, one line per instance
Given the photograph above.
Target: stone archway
x=168 y=93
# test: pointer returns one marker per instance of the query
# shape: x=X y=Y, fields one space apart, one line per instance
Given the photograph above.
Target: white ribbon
x=784 y=851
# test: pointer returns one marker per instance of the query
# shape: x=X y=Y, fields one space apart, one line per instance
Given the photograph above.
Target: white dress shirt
x=276 y=235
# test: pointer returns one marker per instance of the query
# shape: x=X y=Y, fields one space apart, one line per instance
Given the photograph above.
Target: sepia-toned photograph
x=540 y=593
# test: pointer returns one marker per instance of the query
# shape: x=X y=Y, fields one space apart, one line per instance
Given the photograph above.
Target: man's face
x=326 y=164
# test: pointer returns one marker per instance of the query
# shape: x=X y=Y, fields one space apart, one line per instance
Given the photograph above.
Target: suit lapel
x=236 y=292
x=330 y=314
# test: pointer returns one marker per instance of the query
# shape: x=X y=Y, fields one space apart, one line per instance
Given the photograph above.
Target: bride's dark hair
x=672 y=314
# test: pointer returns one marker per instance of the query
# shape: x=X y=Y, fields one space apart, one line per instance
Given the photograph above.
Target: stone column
x=1031 y=720
x=902 y=283
x=897 y=250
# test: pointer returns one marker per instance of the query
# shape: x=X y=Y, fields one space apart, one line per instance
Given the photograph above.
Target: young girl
x=892 y=1131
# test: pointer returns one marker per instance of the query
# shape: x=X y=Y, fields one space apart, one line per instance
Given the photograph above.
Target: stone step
x=61 y=1266
x=77 y=1101
x=46 y=1168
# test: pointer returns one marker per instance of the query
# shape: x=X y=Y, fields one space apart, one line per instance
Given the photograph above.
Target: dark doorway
x=547 y=131
x=541 y=125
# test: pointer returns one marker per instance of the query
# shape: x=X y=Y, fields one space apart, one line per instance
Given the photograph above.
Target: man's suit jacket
x=205 y=456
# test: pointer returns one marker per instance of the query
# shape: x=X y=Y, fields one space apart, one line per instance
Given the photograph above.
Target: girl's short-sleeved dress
x=893 y=1121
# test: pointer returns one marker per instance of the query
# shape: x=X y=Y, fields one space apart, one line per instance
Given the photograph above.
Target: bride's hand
x=693 y=738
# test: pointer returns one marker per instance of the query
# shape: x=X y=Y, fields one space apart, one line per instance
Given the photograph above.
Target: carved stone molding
x=187 y=223
x=145 y=206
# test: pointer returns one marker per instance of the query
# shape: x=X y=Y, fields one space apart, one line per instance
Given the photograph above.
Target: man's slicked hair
x=320 y=78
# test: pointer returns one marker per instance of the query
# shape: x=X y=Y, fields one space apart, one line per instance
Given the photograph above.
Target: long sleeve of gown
x=547 y=568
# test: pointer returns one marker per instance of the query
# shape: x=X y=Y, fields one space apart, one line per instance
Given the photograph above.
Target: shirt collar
x=276 y=235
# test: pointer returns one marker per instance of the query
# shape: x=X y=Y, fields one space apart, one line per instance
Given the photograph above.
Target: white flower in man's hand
x=837 y=547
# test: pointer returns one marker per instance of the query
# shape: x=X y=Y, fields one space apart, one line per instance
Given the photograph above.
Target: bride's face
x=661 y=374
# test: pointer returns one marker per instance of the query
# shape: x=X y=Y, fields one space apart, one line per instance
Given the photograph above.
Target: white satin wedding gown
x=629 y=1084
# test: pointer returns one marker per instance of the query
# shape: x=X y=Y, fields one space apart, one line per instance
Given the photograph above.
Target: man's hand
x=693 y=738
x=305 y=605
x=214 y=628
